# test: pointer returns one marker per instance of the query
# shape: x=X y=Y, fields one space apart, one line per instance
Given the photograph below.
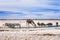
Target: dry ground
x=30 y=34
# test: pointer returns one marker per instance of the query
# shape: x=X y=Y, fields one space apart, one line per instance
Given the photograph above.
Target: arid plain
x=30 y=34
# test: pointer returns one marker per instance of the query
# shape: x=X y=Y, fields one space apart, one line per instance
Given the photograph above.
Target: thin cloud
x=30 y=8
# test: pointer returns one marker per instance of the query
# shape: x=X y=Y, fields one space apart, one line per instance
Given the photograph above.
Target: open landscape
x=29 y=19
x=30 y=34
x=29 y=29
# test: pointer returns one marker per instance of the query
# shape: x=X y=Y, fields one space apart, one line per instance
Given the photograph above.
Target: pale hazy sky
x=17 y=9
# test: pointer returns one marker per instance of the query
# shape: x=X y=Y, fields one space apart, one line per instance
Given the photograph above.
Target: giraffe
x=30 y=21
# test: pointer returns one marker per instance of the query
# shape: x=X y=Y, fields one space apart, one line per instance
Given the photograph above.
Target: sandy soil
x=30 y=34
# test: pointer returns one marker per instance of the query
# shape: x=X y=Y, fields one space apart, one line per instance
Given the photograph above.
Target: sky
x=29 y=9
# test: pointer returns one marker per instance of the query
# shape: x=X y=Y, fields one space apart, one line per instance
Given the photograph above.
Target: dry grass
x=29 y=34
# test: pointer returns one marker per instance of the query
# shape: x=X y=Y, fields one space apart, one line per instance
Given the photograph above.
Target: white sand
x=30 y=34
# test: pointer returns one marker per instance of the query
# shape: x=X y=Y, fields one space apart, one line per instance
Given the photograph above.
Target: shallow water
x=49 y=27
